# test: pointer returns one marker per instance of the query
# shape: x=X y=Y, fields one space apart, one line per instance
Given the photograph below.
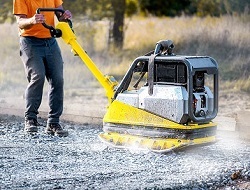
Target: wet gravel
x=81 y=161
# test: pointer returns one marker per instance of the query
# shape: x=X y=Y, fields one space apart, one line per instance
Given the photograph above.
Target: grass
x=226 y=39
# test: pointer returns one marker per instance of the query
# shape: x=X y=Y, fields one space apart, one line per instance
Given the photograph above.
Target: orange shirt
x=28 y=8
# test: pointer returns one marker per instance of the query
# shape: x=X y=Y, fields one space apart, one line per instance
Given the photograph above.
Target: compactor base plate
x=160 y=145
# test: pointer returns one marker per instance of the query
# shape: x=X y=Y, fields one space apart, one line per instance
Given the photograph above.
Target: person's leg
x=54 y=75
x=31 y=55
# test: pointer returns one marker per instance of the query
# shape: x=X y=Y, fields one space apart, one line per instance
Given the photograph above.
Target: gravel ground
x=81 y=161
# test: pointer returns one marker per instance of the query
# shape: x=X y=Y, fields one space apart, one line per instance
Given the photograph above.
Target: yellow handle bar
x=107 y=82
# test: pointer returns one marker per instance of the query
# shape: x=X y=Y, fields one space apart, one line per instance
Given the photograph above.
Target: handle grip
x=54 y=32
x=49 y=10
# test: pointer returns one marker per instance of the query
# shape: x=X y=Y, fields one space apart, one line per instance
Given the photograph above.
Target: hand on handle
x=38 y=18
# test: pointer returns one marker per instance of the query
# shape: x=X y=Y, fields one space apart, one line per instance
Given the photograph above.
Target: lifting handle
x=162 y=47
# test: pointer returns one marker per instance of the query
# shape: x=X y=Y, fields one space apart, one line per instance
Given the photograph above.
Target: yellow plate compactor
x=163 y=102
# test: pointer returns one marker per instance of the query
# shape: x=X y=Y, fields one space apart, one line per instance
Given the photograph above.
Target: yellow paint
x=152 y=144
x=121 y=113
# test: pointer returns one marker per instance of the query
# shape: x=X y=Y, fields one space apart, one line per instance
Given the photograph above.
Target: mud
x=81 y=161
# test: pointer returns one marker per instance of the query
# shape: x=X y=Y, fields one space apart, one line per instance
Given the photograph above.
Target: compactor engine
x=174 y=88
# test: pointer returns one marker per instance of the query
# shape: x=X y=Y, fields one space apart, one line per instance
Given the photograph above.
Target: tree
x=194 y=7
x=208 y=7
x=239 y=6
x=119 y=7
x=163 y=7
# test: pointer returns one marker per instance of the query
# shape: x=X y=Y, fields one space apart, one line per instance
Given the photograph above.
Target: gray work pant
x=42 y=58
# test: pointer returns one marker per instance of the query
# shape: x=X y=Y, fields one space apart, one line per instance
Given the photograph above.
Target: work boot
x=31 y=125
x=56 y=129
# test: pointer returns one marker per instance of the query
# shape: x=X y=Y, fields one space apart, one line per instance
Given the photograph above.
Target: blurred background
x=115 y=32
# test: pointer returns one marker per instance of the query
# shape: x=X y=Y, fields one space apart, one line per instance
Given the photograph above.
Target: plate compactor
x=164 y=101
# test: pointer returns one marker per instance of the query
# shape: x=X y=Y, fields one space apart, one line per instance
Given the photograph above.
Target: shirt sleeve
x=20 y=7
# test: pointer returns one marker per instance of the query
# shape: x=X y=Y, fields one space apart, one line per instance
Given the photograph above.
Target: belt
x=33 y=37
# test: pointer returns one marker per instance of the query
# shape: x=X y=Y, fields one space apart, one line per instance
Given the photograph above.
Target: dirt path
x=83 y=106
x=232 y=102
